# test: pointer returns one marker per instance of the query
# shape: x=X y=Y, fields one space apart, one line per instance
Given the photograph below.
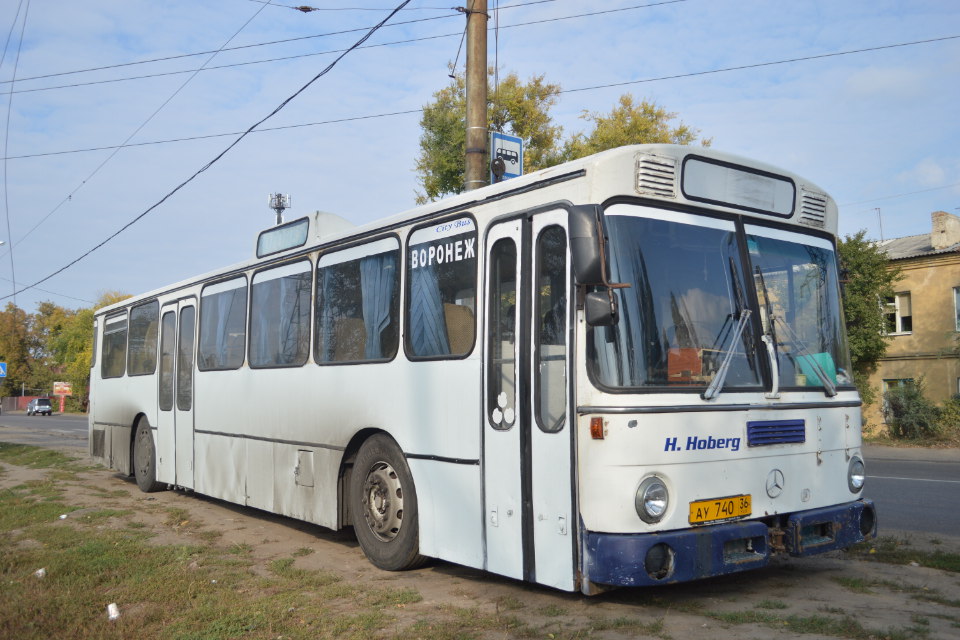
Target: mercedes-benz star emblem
x=775 y=483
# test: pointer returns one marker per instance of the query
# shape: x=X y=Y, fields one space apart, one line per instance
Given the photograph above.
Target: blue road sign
x=507 y=153
x=3 y=369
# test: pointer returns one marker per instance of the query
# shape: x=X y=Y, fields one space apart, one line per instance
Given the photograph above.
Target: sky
x=878 y=129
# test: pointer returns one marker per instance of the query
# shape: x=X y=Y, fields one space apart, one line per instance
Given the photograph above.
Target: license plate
x=719 y=509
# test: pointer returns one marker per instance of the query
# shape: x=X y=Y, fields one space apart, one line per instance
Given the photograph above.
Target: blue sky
x=877 y=129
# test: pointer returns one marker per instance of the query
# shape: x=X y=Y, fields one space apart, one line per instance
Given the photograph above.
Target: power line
x=396 y=113
x=6 y=141
x=251 y=46
x=899 y=195
x=763 y=64
x=218 y=156
x=129 y=137
x=332 y=51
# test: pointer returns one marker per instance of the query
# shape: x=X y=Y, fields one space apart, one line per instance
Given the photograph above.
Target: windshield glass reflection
x=679 y=317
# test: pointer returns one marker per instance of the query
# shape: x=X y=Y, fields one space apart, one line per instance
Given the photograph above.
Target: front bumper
x=702 y=552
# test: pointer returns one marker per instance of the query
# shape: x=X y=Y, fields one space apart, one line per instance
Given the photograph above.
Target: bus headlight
x=856 y=474
x=652 y=500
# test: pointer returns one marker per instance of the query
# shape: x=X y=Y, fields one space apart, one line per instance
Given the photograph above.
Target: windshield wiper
x=717 y=383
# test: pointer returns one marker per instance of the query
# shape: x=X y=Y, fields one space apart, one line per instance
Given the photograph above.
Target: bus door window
x=502 y=339
x=551 y=326
x=185 y=360
x=168 y=341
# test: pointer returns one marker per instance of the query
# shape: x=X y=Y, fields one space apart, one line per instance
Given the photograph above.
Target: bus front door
x=530 y=522
x=175 y=394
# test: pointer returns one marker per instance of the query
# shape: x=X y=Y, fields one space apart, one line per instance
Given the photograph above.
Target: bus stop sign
x=3 y=369
x=506 y=157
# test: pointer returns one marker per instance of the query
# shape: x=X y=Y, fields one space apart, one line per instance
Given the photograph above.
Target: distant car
x=39 y=405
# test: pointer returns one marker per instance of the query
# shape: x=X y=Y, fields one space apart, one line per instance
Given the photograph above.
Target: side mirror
x=586 y=248
x=600 y=308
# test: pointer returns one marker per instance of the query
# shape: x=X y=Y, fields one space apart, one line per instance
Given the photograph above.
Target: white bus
x=626 y=370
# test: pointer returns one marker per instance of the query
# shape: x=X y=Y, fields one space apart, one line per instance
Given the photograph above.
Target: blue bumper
x=689 y=554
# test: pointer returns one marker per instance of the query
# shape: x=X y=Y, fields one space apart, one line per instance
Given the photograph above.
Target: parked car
x=39 y=405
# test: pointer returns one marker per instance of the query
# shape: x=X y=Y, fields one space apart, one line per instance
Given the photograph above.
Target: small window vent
x=813 y=209
x=656 y=176
x=767 y=432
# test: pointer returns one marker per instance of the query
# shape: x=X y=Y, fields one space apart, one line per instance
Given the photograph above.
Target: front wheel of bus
x=383 y=502
x=145 y=458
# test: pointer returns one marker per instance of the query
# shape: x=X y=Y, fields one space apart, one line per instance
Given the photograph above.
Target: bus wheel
x=383 y=502
x=145 y=458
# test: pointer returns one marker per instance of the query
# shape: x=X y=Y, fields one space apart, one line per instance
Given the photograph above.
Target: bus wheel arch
x=383 y=505
x=143 y=456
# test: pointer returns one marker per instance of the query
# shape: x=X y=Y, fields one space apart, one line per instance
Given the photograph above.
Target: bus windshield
x=686 y=310
x=798 y=291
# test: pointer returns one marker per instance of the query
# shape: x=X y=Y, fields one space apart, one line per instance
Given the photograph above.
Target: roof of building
x=914 y=247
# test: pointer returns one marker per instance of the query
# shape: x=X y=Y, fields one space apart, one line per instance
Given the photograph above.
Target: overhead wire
x=333 y=51
x=590 y=88
x=218 y=156
x=256 y=44
x=129 y=137
x=6 y=141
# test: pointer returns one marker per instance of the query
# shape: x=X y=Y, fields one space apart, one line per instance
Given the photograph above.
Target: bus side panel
x=450 y=518
x=218 y=471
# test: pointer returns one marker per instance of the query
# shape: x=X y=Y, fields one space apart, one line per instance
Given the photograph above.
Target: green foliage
x=910 y=414
x=869 y=279
x=52 y=344
x=629 y=123
x=523 y=109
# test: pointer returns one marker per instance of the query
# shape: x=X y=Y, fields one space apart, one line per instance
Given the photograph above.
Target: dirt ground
x=881 y=598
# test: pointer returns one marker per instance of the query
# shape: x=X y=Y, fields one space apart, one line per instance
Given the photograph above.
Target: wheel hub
x=383 y=501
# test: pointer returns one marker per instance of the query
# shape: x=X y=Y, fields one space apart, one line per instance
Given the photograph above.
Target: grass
x=897 y=551
x=844 y=626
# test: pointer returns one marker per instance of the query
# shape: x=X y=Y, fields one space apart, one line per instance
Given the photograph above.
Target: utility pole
x=476 y=168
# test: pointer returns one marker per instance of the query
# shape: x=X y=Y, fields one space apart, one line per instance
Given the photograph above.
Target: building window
x=956 y=308
x=899 y=317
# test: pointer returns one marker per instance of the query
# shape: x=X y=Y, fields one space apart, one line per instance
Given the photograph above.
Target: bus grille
x=813 y=209
x=656 y=176
x=766 y=432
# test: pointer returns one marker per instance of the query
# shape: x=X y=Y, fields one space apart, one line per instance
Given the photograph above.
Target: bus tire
x=383 y=503
x=145 y=458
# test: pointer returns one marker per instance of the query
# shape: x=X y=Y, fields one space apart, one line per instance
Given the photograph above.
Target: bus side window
x=280 y=316
x=144 y=326
x=114 y=346
x=442 y=283
x=358 y=303
x=223 y=325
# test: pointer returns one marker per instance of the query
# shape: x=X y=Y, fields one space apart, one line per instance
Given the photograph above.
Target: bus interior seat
x=460 y=327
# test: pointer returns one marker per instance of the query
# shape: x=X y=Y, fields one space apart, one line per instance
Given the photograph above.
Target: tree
x=630 y=123
x=72 y=348
x=523 y=109
x=869 y=280
x=15 y=350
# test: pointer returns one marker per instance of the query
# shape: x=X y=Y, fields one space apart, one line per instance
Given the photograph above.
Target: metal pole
x=476 y=165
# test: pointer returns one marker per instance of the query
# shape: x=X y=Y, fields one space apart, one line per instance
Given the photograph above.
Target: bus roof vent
x=813 y=208
x=656 y=176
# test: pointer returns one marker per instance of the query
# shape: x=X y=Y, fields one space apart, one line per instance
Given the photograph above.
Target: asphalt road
x=916 y=490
